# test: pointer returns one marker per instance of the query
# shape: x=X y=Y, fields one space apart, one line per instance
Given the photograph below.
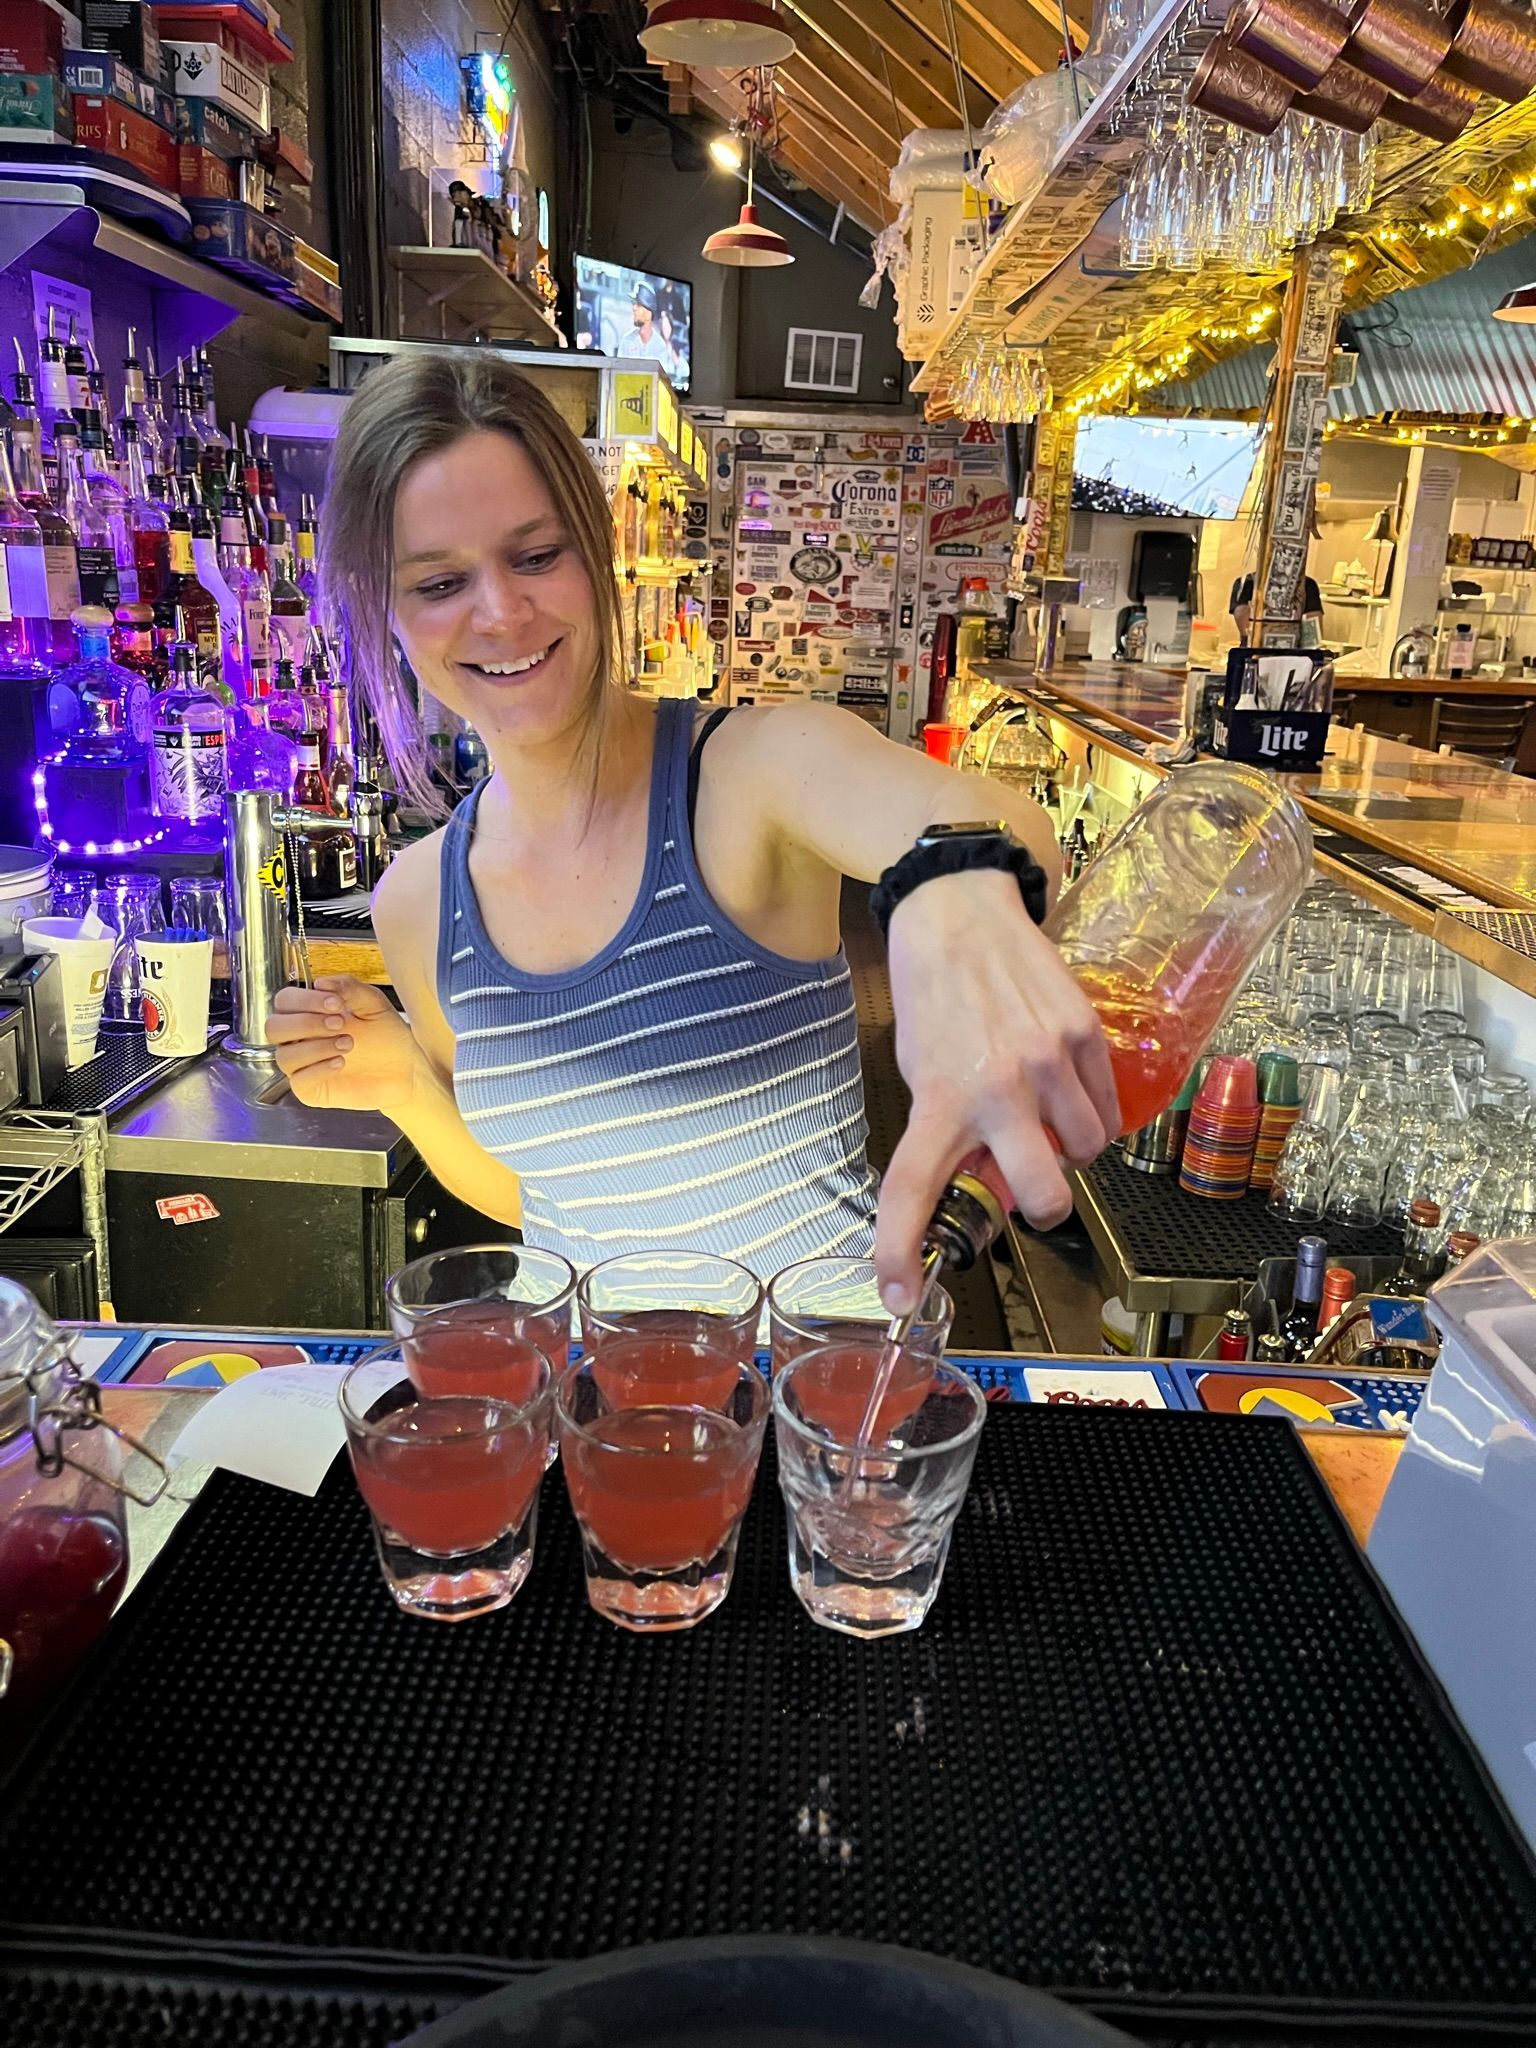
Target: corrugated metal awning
x=1436 y=348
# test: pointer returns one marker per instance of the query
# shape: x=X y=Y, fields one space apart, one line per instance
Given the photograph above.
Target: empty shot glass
x=451 y=1479
x=837 y=1301
x=869 y=1531
x=659 y=1473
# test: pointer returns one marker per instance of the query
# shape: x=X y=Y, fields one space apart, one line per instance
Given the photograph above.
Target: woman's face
x=492 y=604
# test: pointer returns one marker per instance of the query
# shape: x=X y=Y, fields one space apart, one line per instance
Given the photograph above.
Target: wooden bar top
x=1450 y=815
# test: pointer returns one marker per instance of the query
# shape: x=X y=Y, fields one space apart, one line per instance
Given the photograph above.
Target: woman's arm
x=343 y=1045
x=999 y=1046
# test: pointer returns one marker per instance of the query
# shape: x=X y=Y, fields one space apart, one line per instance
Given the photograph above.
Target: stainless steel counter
x=209 y=1120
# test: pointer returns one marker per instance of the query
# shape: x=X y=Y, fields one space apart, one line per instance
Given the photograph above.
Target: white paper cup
x=175 y=969
x=84 y=946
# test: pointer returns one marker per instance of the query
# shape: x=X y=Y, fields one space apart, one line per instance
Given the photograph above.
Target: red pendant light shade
x=726 y=35
x=748 y=245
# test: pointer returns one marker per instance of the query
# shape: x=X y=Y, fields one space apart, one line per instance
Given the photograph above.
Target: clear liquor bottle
x=60 y=569
x=95 y=541
x=110 y=500
x=24 y=631
x=250 y=588
x=290 y=608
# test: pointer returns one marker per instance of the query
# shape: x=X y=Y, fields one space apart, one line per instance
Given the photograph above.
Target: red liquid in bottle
x=60 y=1575
x=1151 y=1046
x=671 y=1508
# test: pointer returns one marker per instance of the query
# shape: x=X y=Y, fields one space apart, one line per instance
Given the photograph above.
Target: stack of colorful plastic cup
x=1279 y=1107
x=1223 y=1129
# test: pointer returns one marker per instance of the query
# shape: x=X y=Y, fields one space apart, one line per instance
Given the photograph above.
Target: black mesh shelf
x=1164 y=1232
x=123 y=1069
x=1161 y=1745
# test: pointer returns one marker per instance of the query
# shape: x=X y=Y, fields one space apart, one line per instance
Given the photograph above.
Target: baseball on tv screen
x=624 y=312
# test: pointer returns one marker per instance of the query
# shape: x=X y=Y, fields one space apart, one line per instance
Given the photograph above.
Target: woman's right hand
x=343 y=1045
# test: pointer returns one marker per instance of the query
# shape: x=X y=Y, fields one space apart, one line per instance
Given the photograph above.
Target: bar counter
x=1469 y=826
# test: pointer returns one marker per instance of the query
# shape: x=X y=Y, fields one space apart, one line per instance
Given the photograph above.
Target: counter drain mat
x=1162 y=1746
x=122 y=1069
x=67 y=2008
x=1167 y=1234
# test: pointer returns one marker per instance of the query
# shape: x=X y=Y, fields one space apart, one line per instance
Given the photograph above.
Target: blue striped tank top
x=686 y=1089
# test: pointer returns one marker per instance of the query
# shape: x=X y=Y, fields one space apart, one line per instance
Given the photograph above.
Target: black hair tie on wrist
x=955 y=856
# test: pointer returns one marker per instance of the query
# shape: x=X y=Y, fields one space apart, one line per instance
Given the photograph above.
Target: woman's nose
x=502 y=602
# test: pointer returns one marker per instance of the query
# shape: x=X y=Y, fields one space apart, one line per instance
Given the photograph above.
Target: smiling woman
x=631 y=1023
x=510 y=473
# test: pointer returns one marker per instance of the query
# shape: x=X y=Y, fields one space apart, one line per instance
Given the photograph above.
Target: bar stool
x=1470 y=725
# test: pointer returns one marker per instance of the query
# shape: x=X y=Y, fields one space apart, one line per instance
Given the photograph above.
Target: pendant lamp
x=748 y=245
x=727 y=35
x=1520 y=304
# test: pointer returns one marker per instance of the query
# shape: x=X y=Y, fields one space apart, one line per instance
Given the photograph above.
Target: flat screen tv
x=624 y=312
x=1163 y=469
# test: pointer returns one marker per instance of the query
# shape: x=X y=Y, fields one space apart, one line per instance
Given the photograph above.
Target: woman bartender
x=630 y=1021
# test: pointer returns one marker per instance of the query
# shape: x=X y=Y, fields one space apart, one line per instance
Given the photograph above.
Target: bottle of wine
x=1298 y=1326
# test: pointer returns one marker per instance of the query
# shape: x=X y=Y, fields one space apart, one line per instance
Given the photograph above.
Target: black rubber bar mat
x=72 y=2008
x=1171 y=1235
x=1162 y=1744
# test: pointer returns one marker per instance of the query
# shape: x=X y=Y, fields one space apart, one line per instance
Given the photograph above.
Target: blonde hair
x=409 y=408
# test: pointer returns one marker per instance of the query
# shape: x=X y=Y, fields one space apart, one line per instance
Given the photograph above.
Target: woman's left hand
x=1003 y=1054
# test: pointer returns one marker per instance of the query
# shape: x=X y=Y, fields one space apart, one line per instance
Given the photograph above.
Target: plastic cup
x=1230 y=1087
x=944 y=742
x=84 y=947
x=175 y=975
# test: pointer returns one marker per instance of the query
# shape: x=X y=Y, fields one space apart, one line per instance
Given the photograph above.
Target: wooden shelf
x=467 y=284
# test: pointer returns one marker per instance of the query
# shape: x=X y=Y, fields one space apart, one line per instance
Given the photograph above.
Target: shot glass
x=451 y=1479
x=869 y=1532
x=837 y=1301
x=659 y=1488
x=674 y=1302
x=502 y=1290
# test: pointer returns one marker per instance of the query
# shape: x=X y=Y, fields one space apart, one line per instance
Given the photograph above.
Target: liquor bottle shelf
x=41 y=212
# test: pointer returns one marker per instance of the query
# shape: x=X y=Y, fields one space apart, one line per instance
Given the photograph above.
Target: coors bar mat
x=1162 y=1746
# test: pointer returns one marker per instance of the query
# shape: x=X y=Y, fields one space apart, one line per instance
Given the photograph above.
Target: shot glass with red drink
x=504 y=1290
x=659 y=1472
x=670 y=1327
x=450 y=1476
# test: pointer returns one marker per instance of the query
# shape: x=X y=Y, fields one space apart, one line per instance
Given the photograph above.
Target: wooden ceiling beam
x=836 y=175
x=1029 y=33
x=982 y=56
x=806 y=88
x=922 y=102
x=910 y=52
x=859 y=184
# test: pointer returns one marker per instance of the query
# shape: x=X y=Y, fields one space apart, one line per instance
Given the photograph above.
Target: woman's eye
x=541 y=559
x=444 y=587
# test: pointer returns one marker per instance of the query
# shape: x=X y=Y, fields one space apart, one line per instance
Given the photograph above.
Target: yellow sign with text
x=634 y=406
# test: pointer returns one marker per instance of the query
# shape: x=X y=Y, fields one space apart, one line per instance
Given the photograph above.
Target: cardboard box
x=246 y=29
x=202 y=175
x=34 y=107
x=948 y=238
x=240 y=239
x=31 y=38
x=126 y=28
x=207 y=124
x=107 y=77
x=207 y=71
x=143 y=145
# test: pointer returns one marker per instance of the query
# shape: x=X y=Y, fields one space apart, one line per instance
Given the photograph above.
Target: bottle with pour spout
x=1162 y=929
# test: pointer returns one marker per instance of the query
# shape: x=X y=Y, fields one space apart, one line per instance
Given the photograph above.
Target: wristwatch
x=952 y=849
